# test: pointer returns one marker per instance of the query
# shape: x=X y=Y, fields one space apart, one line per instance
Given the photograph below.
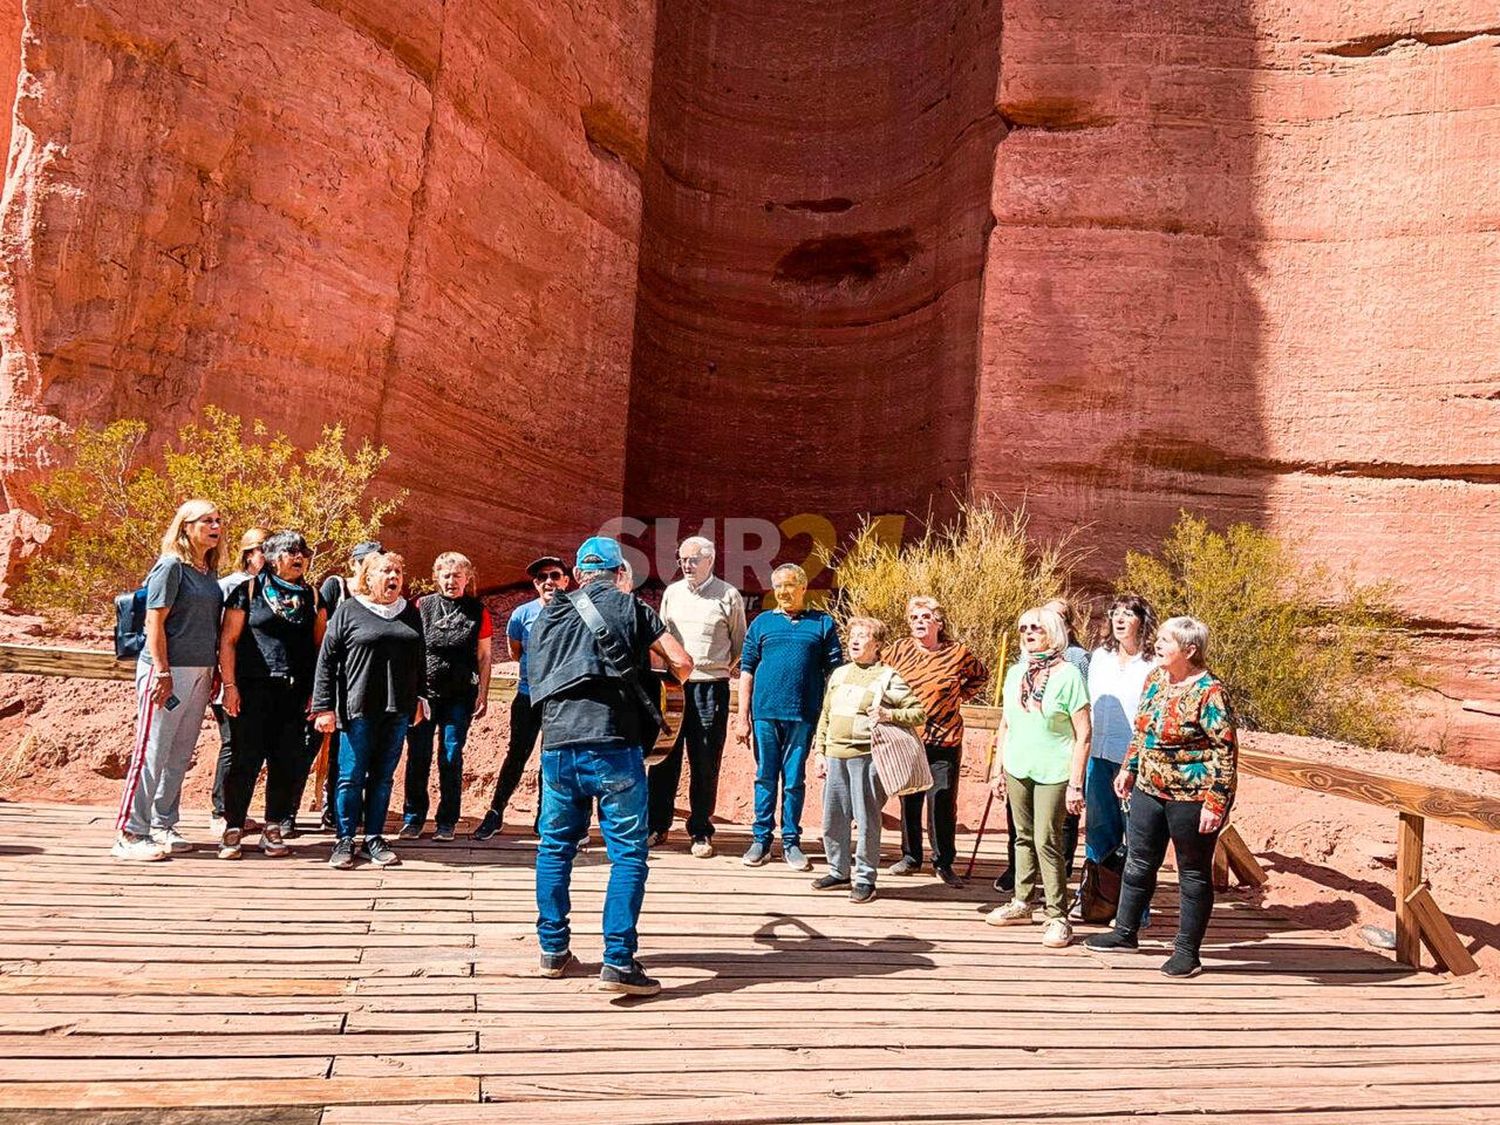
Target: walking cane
x=989 y=762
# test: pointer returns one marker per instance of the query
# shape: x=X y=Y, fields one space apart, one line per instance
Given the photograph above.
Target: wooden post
x=1437 y=933
x=1408 y=879
x=1221 y=867
x=1239 y=858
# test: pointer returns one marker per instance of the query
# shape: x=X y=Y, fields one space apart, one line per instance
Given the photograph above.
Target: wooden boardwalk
x=373 y=997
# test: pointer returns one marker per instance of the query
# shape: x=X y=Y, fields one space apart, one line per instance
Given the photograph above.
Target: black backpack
x=130 y=624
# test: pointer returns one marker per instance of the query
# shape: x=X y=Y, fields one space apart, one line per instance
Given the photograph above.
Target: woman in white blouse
x=1117 y=676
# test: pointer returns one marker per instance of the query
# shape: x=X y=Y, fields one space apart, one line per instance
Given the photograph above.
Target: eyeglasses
x=920 y=615
x=551 y=576
x=1031 y=629
x=685 y=563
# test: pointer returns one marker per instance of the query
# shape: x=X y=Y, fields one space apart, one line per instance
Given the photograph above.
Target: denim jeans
x=573 y=780
x=852 y=792
x=367 y=767
x=781 y=748
x=449 y=726
x=705 y=724
x=1104 y=821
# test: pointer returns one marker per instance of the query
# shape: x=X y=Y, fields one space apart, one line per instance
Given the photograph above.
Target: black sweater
x=369 y=666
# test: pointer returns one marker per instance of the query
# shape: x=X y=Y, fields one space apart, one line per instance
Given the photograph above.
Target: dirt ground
x=1332 y=860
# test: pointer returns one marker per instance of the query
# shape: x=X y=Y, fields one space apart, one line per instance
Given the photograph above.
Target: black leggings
x=1152 y=823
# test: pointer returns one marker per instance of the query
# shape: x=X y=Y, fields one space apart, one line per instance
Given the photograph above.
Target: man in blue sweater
x=788 y=656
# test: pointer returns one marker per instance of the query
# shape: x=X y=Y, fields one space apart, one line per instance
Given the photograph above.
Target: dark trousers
x=1152 y=823
x=525 y=726
x=449 y=727
x=705 y=723
x=270 y=731
x=226 y=755
x=312 y=742
x=941 y=802
x=1069 y=840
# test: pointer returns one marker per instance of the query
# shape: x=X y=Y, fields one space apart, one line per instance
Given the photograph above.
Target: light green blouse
x=1039 y=744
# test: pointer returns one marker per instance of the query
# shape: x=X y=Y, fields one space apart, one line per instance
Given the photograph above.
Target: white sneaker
x=137 y=849
x=703 y=848
x=1013 y=913
x=271 y=843
x=172 y=840
x=229 y=846
x=1057 y=933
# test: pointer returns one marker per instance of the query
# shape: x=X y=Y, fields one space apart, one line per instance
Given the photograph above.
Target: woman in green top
x=1042 y=751
x=860 y=693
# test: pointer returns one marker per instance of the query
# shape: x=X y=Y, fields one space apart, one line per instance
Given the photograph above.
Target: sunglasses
x=551 y=576
x=1031 y=629
x=919 y=616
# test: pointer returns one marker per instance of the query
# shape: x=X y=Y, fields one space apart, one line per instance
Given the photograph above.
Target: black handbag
x=618 y=658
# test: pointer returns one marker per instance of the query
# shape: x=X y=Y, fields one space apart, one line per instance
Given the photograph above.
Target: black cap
x=542 y=563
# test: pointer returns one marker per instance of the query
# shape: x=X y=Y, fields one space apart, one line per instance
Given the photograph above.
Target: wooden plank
x=131 y=1068
x=41 y=660
x=100 y=1096
x=1240 y=858
x=840 y=1105
x=1409 y=832
x=230 y=1043
x=1437 y=933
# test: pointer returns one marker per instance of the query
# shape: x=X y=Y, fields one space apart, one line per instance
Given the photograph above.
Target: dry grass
x=1300 y=651
x=983 y=568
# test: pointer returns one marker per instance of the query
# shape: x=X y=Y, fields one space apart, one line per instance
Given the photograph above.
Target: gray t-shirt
x=194 y=604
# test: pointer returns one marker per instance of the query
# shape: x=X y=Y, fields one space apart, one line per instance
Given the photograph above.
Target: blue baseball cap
x=600 y=553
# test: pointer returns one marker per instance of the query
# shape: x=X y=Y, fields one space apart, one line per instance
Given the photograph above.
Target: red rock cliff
x=419 y=218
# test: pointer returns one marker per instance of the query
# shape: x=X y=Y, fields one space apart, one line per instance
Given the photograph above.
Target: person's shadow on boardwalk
x=804 y=954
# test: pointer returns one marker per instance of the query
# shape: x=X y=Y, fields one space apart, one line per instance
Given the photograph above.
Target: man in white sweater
x=707 y=615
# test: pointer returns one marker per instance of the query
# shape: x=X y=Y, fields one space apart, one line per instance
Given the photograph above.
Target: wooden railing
x=1419 y=921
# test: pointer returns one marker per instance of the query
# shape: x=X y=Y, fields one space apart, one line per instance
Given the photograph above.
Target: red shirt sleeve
x=486 y=626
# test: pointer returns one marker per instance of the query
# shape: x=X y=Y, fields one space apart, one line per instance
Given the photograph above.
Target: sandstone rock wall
x=419 y=218
x=816 y=205
x=1246 y=262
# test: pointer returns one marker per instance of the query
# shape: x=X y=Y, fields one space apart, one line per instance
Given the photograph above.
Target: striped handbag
x=900 y=757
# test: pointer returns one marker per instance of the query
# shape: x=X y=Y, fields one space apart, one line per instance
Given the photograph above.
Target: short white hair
x=794 y=570
x=1188 y=632
x=698 y=545
x=1054 y=628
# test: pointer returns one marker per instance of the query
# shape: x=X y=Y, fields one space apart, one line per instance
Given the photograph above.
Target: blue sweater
x=790 y=659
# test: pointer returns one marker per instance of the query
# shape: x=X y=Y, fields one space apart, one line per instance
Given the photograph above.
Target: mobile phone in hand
x=171 y=703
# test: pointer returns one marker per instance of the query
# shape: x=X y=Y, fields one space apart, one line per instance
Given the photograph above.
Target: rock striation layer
x=418 y=218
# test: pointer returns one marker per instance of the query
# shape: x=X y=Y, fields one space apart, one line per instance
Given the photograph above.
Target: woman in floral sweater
x=1180 y=776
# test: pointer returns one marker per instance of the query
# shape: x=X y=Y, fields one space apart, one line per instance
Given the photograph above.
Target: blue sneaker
x=795 y=858
x=556 y=964
x=632 y=981
x=756 y=855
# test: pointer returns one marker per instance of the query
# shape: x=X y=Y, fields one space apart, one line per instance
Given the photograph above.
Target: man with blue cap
x=588 y=649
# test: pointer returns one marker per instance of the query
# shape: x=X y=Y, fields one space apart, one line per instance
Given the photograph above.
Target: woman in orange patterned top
x=944 y=674
x=1181 y=766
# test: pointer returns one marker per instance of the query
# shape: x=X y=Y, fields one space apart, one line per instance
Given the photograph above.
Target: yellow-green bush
x=1300 y=652
x=109 y=505
x=982 y=567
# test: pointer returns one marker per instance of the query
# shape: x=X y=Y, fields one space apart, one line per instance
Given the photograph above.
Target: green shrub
x=982 y=567
x=109 y=506
x=1299 y=652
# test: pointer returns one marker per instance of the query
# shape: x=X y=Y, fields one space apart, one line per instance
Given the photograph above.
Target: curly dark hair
x=1143 y=612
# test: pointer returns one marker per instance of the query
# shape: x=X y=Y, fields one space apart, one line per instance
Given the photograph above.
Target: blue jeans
x=781 y=747
x=573 y=779
x=367 y=766
x=1104 y=822
x=449 y=725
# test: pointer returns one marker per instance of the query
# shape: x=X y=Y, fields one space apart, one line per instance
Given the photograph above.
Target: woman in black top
x=458 y=632
x=369 y=684
x=267 y=648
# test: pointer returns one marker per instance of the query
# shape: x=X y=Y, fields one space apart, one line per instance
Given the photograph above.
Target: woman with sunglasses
x=267 y=651
x=945 y=674
x=174 y=682
x=1042 y=749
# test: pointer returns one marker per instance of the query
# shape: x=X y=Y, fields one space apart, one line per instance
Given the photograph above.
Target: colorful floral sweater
x=1185 y=747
